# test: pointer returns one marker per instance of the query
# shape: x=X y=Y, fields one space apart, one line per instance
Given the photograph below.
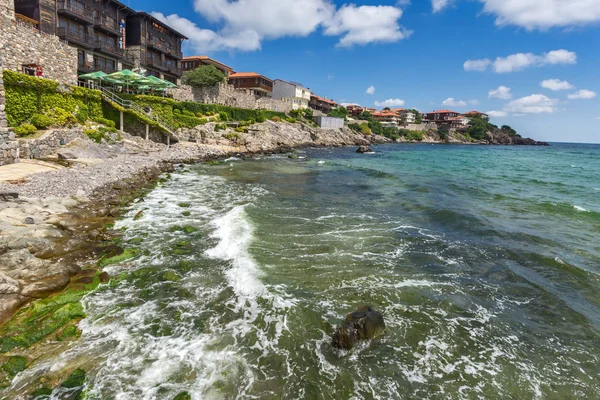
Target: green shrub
x=234 y=136
x=63 y=117
x=177 y=111
x=275 y=119
x=365 y=130
x=414 y=136
x=261 y=118
x=41 y=121
x=251 y=121
x=106 y=122
x=25 y=130
x=241 y=129
x=223 y=116
x=188 y=113
x=291 y=120
x=220 y=127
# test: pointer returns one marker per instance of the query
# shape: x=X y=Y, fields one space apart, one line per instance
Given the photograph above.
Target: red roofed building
x=441 y=116
x=476 y=113
x=322 y=104
x=388 y=119
x=259 y=84
x=190 y=63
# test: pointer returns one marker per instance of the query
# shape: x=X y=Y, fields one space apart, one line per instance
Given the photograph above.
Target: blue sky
x=488 y=55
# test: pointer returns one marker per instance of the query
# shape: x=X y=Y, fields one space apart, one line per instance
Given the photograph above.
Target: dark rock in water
x=104 y=277
x=364 y=149
x=139 y=215
x=362 y=324
x=114 y=212
x=86 y=280
x=66 y=155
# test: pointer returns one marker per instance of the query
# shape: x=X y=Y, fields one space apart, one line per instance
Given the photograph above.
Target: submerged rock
x=364 y=149
x=363 y=324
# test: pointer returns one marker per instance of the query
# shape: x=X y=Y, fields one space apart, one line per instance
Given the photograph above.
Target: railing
x=111 y=96
x=108 y=48
x=174 y=69
x=103 y=22
x=75 y=8
x=156 y=63
x=175 y=53
x=75 y=36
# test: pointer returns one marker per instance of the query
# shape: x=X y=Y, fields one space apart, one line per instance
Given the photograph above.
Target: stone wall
x=226 y=95
x=48 y=143
x=9 y=147
x=21 y=43
x=420 y=127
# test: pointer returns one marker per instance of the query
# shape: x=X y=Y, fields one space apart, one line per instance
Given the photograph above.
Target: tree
x=418 y=116
x=376 y=127
x=509 y=130
x=478 y=128
x=203 y=76
x=444 y=133
x=339 y=112
x=365 y=116
x=387 y=109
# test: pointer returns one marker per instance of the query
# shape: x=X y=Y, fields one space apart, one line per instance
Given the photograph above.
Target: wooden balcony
x=106 y=25
x=107 y=48
x=75 y=37
x=75 y=11
x=158 y=64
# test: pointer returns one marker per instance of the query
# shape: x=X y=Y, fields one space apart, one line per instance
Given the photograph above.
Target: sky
x=530 y=64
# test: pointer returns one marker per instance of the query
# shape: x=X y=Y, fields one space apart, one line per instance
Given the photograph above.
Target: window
x=73 y=28
x=105 y=40
x=104 y=64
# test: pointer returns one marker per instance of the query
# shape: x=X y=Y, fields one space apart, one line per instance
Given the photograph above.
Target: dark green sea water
x=485 y=262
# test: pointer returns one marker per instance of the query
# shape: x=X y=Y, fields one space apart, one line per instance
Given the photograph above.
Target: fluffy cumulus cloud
x=502 y=92
x=582 y=95
x=497 y=114
x=451 y=102
x=246 y=23
x=556 y=85
x=366 y=24
x=538 y=14
x=390 y=103
x=370 y=90
x=519 y=61
x=534 y=104
x=439 y=5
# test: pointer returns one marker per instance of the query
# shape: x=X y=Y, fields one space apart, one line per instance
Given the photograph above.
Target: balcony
x=75 y=37
x=107 y=48
x=164 y=47
x=106 y=25
x=158 y=64
x=76 y=11
x=173 y=69
x=174 y=53
x=105 y=68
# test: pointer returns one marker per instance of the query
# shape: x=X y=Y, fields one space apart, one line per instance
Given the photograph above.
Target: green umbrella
x=125 y=77
x=93 y=76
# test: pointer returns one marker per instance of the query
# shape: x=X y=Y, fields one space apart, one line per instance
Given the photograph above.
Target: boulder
x=363 y=324
x=364 y=149
x=66 y=155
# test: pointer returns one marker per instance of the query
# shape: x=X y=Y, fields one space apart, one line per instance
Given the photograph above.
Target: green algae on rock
x=124 y=256
x=14 y=365
x=183 y=396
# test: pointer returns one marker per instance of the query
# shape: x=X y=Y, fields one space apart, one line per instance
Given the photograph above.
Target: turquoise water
x=484 y=261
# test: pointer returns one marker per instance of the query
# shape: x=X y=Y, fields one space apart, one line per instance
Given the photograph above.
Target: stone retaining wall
x=226 y=95
x=9 y=147
x=21 y=43
x=48 y=143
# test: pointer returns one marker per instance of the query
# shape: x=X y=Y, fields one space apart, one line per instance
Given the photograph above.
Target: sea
x=484 y=261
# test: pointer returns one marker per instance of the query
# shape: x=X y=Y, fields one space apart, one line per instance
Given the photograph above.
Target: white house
x=293 y=93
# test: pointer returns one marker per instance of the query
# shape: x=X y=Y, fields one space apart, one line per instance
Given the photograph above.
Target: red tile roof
x=246 y=75
x=475 y=113
x=206 y=58
x=442 y=112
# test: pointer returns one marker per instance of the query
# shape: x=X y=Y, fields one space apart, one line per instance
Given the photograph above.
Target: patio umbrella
x=93 y=76
x=125 y=77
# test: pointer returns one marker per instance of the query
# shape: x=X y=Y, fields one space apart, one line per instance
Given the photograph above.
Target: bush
x=223 y=116
x=106 y=122
x=41 y=121
x=365 y=130
x=82 y=114
x=241 y=129
x=220 y=127
x=235 y=136
x=63 y=117
x=188 y=113
x=251 y=121
x=261 y=118
x=25 y=130
x=291 y=120
x=275 y=119
x=414 y=136
x=203 y=76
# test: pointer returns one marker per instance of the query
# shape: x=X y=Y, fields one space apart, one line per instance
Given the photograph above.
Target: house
x=461 y=122
x=476 y=114
x=354 y=109
x=291 y=92
x=388 y=119
x=260 y=85
x=441 y=116
x=154 y=46
x=193 y=62
x=406 y=116
x=322 y=104
x=108 y=35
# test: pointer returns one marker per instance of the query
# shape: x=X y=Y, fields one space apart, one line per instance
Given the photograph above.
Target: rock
x=364 y=149
x=86 y=280
x=104 y=277
x=29 y=221
x=139 y=215
x=114 y=212
x=8 y=196
x=363 y=324
x=66 y=155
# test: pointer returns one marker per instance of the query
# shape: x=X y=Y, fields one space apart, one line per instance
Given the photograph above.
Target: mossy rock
x=187 y=229
x=42 y=393
x=183 y=396
x=136 y=241
x=14 y=365
x=184 y=205
x=183 y=243
x=126 y=255
x=70 y=332
x=75 y=380
x=170 y=276
x=186 y=213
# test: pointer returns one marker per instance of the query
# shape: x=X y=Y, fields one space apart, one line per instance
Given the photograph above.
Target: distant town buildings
x=321 y=104
x=260 y=85
x=291 y=92
x=190 y=63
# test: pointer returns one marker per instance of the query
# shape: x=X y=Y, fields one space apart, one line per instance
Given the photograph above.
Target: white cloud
x=366 y=24
x=502 y=92
x=519 y=61
x=246 y=23
x=582 y=95
x=538 y=14
x=439 y=5
x=390 y=103
x=474 y=102
x=556 y=84
x=497 y=114
x=450 y=102
x=534 y=104
x=477 y=65
x=370 y=90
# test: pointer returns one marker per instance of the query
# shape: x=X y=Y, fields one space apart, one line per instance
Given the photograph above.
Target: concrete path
x=15 y=172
